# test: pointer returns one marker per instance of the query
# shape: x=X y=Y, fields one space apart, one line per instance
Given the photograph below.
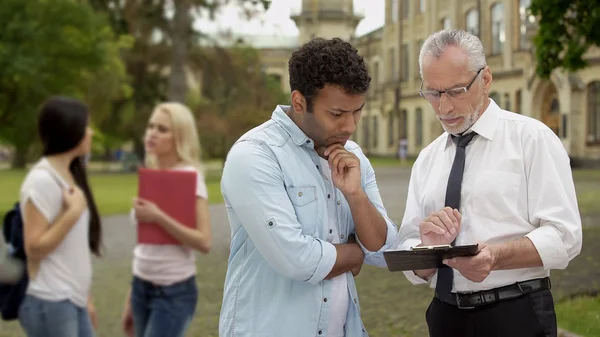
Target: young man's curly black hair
x=323 y=61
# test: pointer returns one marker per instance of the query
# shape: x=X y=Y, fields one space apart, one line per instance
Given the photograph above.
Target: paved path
x=119 y=234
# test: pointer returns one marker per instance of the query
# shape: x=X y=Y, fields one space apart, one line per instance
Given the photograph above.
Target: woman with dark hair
x=61 y=226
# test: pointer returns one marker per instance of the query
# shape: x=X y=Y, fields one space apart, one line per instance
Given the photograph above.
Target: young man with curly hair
x=304 y=207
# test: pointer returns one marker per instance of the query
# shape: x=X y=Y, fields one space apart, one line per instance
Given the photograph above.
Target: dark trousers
x=531 y=315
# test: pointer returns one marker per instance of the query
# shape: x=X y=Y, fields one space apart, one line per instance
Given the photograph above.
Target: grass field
x=390 y=305
x=113 y=191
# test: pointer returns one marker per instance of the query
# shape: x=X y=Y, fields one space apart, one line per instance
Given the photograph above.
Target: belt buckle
x=460 y=306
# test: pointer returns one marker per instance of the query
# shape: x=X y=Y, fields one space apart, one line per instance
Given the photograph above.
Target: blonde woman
x=163 y=296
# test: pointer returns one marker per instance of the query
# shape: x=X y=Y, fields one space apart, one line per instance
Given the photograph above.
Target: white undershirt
x=339 y=292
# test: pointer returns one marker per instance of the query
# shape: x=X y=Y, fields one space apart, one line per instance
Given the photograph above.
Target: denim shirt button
x=339 y=202
x=325 y=300
x=320 y=332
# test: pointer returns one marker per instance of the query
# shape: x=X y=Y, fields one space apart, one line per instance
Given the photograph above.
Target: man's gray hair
x=436 y=45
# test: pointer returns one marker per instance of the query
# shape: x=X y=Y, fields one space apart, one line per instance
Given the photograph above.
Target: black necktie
x=446 y=275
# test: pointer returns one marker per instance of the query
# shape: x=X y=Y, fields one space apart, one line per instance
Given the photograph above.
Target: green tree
x=238 y=97
x=567 y=29
x=48 y=48
x=157 y=63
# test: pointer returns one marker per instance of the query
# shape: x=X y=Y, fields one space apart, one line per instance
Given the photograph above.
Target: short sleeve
x=44 y=193
x=201 y=189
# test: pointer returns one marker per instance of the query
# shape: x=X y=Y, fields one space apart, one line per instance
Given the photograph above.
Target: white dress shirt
x=517 y=182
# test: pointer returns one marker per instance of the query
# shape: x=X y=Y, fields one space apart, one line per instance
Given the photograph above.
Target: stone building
x=569 y=103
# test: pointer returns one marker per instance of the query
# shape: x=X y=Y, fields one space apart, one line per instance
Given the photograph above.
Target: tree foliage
x=237 y=95
x=567 y=29
x=49 y=48
x=159 y=60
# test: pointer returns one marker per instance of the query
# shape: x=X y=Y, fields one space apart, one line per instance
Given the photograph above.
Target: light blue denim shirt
x=281 y=248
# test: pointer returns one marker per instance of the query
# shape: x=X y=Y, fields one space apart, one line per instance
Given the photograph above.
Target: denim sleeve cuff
x=329 y=255
x=550 y=247
x=376 y=258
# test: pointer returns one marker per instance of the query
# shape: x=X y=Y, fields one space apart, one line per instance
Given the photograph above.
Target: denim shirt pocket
x=304 y=200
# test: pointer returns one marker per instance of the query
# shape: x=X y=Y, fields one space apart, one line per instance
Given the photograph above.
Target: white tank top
x=65 y=273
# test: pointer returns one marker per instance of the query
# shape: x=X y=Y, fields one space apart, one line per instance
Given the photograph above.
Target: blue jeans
x=163 y=311
x=41 y=318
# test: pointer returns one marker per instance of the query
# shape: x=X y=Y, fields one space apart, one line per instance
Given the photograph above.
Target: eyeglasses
x=434 y=95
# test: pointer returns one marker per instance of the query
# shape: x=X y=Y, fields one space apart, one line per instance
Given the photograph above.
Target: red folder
x=174 y=192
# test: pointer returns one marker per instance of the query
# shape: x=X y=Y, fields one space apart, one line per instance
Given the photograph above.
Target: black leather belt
x=473 y=300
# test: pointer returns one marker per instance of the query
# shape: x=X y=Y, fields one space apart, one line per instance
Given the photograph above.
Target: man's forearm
x=370 y=226
x=349 y=256
x=516 y=254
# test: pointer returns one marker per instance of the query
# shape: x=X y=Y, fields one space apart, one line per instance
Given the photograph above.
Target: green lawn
x=580 y=315
x=113 y=191
x=390 y=305
x=390 y=161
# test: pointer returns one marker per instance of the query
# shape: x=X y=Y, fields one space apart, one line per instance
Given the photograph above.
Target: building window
x=593 y=129
x=498 y=31
x=375 y=131
x=375 y=74
x=405 y=62
x=402 y=124
x=405 y=9
x=518 y=101
x=473 y=22
x=496 y=98
x=366 y=134
x=421 y=6
x=446 y=23
x=419 y=127
x=395 y=10
x=392 y=56
x=507 y=105
x=527 y=23
x=418 y=52
x=391 y=129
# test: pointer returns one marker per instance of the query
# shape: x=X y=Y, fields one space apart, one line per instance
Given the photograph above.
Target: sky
x=276 y=20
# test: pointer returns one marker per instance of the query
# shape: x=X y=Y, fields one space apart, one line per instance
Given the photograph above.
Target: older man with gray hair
x=495 y=178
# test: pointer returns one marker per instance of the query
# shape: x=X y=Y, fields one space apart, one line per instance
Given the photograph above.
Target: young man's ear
x=298 y=101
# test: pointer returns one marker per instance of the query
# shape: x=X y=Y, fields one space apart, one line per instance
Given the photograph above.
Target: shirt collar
x=281 y=117
x=485 y=126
